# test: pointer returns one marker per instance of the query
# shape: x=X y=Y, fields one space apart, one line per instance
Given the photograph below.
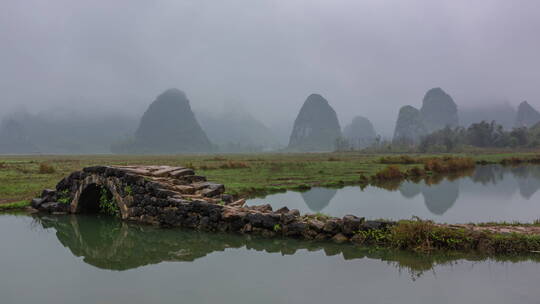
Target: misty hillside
x=526 y=116
x=14 y=138
x=62 y=133
x=316 y=127
x=360 y=133
x=410 y=127
x=236 y=130
x=168 y=126
x=503 y=114
x=437 y=112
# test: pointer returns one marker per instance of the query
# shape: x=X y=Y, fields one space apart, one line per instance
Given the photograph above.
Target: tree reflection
x=441 y=192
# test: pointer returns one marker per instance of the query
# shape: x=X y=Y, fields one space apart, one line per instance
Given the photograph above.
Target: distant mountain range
x=439 y=110
x=53 y=133
x=170 y=126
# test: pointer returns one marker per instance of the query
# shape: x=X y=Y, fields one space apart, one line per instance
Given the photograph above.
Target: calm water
x=78 y=259
x=491 y=193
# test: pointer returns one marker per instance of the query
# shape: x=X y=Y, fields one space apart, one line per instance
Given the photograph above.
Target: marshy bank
x=246 y=175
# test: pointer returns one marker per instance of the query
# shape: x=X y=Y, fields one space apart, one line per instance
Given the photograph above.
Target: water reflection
x=441 y=197
x=488 y=193
x=410 y=189
x=528 y=180
x=107 y=243
x=318 y=198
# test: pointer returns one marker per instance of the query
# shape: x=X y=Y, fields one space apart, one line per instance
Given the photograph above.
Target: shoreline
x=131 y=187
x=420 y=236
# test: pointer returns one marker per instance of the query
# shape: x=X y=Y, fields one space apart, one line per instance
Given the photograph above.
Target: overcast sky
x=366 y=57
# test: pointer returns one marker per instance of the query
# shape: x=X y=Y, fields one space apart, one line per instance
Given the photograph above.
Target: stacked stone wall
x=176 y=197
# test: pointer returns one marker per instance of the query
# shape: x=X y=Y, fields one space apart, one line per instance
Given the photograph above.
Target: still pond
x=98 y=259
x=88 y=259
x=490 y=194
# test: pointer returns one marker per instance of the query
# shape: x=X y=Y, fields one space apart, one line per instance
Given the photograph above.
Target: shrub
x=128 y=190
x=390 y=172
x=375 y=236
x=422 y=235
x=107 y=204
x=433 y=165
x=416 y=172
x=449 y=164
x=45 y=168
x=64 y=197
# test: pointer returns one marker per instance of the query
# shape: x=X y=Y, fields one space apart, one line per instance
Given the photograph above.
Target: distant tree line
x=482 y=135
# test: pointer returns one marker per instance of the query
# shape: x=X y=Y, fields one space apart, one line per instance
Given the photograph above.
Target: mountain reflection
x=528 y=179
x=410 y=189
x=441 y=195
x=318 y=198
x=108 y=243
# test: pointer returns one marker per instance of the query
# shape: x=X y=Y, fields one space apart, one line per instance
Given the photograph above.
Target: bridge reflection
x=108 y=243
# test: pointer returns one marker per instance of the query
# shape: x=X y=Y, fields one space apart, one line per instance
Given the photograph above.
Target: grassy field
x=23 y=177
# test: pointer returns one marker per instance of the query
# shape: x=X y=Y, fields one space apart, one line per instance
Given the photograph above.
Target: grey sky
x=366 y=57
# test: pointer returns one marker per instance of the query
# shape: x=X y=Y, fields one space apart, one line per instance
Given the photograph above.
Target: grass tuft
x=426 y=236
x=45 y=168
x=389 y=173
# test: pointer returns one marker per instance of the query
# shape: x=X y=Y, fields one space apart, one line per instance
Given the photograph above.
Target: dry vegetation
x=390 y=172
x=426 y=236
x=45 y=168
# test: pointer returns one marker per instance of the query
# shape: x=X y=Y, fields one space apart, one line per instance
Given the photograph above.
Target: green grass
x=242 y=174
x=14 y=206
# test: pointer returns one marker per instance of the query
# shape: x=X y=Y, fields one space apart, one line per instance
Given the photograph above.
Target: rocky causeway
x=177 y=197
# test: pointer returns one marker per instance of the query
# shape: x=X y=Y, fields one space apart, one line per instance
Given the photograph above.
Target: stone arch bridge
x=177 y=197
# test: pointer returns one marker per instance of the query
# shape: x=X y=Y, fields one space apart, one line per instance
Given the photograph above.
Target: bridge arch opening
x=97 y=199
